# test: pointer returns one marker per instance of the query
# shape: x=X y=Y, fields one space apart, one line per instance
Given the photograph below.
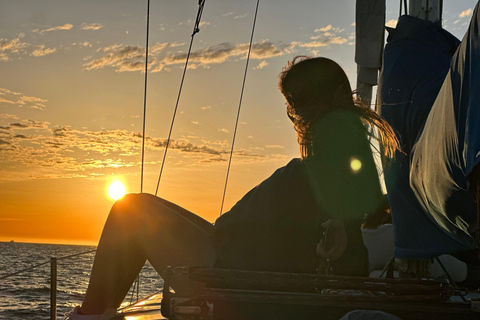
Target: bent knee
x=139 y=203
x=130 y=198
x=132 y=202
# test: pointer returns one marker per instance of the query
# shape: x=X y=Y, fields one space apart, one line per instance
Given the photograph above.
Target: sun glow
x=116 y=190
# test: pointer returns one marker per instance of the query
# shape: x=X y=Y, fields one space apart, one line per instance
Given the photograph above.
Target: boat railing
x=53 y=279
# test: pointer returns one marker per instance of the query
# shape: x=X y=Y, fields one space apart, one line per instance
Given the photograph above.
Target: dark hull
x=239 y=295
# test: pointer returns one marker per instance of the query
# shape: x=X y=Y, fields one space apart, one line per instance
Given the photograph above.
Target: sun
x=116 y=190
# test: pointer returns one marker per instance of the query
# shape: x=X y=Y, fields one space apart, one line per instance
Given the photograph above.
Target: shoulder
x=256 y=203
x=282 y=178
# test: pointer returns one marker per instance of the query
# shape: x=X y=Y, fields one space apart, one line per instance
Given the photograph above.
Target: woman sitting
x=278 y=225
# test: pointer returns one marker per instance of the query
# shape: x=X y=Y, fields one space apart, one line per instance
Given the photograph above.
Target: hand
x=340 y=240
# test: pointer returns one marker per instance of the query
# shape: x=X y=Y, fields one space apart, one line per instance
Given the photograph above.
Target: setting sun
x=116 y=190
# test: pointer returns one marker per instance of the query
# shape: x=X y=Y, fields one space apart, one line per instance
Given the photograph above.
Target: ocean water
x=27 y=296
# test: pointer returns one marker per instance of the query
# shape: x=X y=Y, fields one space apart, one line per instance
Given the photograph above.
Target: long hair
x=312 y=87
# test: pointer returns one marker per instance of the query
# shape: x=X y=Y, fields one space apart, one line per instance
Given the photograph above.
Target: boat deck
x=146 y=309
x=240 y=295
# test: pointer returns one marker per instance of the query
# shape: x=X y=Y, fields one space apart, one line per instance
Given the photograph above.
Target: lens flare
x=355 y=164
x=116 y=190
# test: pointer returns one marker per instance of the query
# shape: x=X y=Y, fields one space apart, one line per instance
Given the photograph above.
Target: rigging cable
x=239 y=106
x=196 y=29
x=145 y=95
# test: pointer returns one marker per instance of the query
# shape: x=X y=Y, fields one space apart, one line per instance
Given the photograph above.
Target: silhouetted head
x=313 y=87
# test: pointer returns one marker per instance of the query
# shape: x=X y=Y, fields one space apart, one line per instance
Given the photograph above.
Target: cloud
x=206 y=107
x=392 y=23
x=15 y=98
x=224 y=130
x=222 y=52
x=64 y=152
x=261 y=65
x=66 y=26
x=42 y=51
x=15 y=47
x=7 y=116
x=326 y=36
x=195 y=122
x=324 y=29
x=4 y=91
x=22 y=136
x=131 y=58
x=227 y=14
x=241 y=16
x=10 y=47
x=92 y=26
x=126 y=58
x=82 y=44
x=30 y=124
x=274 y=146
x=466 y=13
x=110 y=48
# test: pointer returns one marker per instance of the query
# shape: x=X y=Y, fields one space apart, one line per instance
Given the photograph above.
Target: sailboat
x=237 y=294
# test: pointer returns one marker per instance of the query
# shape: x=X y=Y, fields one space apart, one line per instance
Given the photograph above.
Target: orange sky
x=71 y=102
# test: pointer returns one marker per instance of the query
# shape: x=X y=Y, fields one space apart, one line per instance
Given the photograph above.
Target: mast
x=369 y=42
x=370 y=33
x=426 y=9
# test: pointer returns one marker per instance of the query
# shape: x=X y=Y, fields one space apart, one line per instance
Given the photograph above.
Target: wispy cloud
x=325 y=37
x=91 y=26
x=126 y=58
x=392 y=23
x=466 y=13
x=63 y=151
x=241 y=16
x=261 y=65
x=42 y=51
x=66 y=26
x=30 y=124
x=82 y=44
x=223 y=130
x=222 y=52
x=274 y=146
x=13 y=46
x=8 y=97
x=161 y=58
x=7 y=116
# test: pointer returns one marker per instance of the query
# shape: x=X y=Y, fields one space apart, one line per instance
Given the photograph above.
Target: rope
x=145 y=95
x=43 y=263
x=196 y=29
x=239 y=106
x=450 y=280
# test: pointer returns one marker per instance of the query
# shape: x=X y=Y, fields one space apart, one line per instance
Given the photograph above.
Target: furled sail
x=450 y=141
x=417 y=58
